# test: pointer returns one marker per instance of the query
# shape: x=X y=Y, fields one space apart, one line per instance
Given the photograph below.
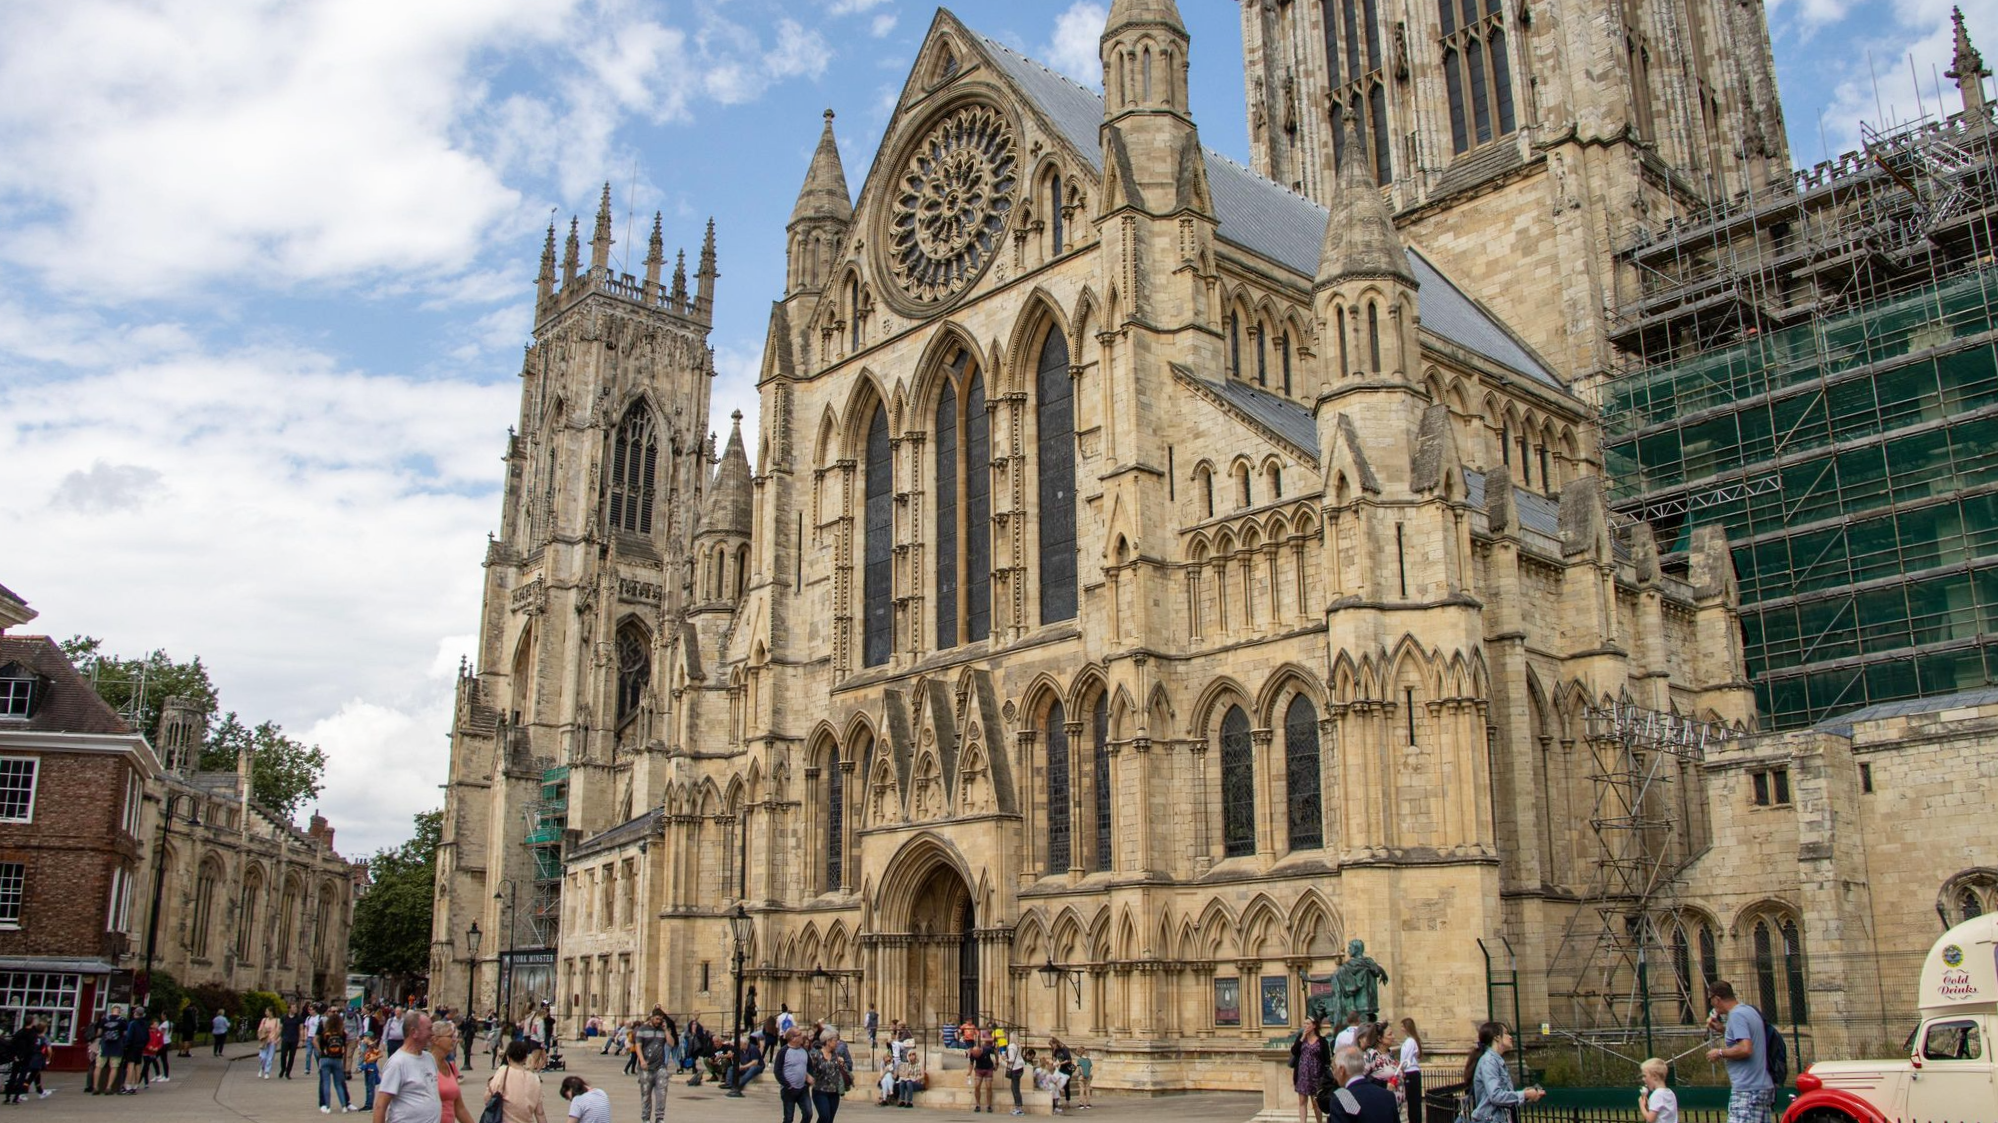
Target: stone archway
x=928 y=937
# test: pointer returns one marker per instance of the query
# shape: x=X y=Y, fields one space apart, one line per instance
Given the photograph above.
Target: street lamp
x=472 y=939
x=159 y=876
x=1052 y=973
x=741 y=927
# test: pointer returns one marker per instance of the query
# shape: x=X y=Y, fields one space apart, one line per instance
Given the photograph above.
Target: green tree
x=284 y=772
x=391 y=933
x=118 y=681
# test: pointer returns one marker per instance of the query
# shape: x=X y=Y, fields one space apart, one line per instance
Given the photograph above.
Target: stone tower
x=181 y=733
x=1482 y=120
x=559 y=726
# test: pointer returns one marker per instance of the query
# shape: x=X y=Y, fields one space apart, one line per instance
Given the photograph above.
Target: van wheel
x=1826 y=1115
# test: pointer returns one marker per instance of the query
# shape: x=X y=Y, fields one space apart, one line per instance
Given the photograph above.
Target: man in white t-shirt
x=586 y=1104
x=407 y=1092
x=1348 y=1036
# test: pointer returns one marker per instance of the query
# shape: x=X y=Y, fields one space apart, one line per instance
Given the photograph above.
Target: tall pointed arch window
x=835 y=821
x=1354 y=58
x=1682 y=973
x=1056 y=421
x=1765 y=967
x=1099 y=778
x=1058 y=235
x=964 y=506
x=634 y=669
x=1477 y=73
x=1300 y=758
x=1793 y=974
x=633 y=468
x=1283 y=360
x=1060 y=837
x=853 y=313
x=205 y=881
x=1238 y=785
x=877 y=576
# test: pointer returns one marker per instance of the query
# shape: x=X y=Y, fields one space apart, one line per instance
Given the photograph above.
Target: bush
x=165 y=995
x=257 y=1003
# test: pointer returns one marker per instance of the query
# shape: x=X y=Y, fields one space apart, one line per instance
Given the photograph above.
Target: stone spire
x=730 y=506
x=600 y=242
x=571 y=263
x=655 y=254
x=824 y=194
x=1360 y=239
x=704 y=277
x=680 y=281
x=544 y=281
x=1967 y=67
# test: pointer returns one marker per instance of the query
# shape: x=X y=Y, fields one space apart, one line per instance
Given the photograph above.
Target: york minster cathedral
x=1145 y=575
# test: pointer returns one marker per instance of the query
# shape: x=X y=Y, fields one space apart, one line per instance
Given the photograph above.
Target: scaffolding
x=1623 y=953
x=547 y=827
x=1815 y=369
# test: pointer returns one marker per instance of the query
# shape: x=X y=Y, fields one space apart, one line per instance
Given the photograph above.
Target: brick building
x=73 y=782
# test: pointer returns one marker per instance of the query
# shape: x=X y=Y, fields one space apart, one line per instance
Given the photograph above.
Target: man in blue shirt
x=1751 y=1092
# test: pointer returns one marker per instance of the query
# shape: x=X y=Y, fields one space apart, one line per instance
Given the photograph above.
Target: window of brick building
x=17 y=691
x=13 y=882
x=17 y=789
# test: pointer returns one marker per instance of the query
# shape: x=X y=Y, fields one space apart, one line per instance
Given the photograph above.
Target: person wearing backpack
x=1745 y=1050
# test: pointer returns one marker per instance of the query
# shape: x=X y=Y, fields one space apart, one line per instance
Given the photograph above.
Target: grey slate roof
x=1842 y=724
x=1286 y=418
x=1269 y=219
x=1536 y=511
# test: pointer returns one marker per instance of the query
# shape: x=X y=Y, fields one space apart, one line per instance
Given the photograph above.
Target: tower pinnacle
x=571 y=262
x=600 y=242
x=680 y=281
x=704 y=278
x=655 y=254
x=1360 y=238
x=824 y=194
x=1967 y=67
x=544 y=281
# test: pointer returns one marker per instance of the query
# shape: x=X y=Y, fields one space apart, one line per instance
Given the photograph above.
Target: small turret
x=679 y=294
x=1365 y=290
x=655 y=255
x=600 y=242
x=1967 y=67
x=722 y=533
x=544 y=281
x=704 y=277
x=571 y=261
x=1144 y=49
x=820 y=218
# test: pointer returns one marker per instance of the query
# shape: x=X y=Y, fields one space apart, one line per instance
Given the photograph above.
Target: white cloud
x=173 y=144
x=313 y=533
x=852 y=7
x=1076 y=48
x=882 y=25
x=1906 y=51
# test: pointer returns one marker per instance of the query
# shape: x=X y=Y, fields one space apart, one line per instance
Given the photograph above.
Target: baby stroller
x=555 y=1061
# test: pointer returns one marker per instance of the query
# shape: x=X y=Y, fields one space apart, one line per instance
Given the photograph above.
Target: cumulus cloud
x=882 y=25
x=170 y=145
x=106 y=488
x=313 y=532
x=1908 y=44
x=852 y=7
x=1075 y=48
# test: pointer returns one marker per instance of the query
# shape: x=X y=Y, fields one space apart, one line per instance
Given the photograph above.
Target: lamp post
x=159 y=879
x=472 y=939
x=740 y=927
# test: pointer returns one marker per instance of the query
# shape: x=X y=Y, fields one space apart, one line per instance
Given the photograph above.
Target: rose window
x=955 y=193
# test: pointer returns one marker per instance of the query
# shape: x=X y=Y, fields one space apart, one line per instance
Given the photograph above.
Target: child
x=371 y=1069
x=1050 y=1079
x=1083 y=1067
x=1656 y=1102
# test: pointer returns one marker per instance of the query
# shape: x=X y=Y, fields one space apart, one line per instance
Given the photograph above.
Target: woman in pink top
x=443 y=1047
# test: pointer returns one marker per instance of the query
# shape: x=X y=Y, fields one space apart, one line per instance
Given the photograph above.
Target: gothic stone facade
x=1062 y=616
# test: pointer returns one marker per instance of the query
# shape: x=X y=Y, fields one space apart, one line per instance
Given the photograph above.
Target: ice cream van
x=1949 y=1073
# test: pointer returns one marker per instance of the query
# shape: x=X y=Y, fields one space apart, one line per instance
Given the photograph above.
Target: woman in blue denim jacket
x=1492 y=1096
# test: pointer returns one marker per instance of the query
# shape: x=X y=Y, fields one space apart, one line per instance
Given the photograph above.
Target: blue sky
x=268 y=268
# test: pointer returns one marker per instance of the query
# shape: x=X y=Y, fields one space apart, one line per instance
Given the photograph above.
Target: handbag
x=495 y=1111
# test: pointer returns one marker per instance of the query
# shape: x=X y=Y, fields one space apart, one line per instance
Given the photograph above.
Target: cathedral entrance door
x=943 y=953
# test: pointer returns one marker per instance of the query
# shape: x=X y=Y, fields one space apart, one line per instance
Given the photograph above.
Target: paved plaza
x=208 y=1089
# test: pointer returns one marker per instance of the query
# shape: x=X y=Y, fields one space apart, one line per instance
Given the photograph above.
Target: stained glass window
x=634 y=670
x=964 y=508
x=947 y=512
x=1765 y=968
x=1682 y=973
x=1238 y=785
x=1793 y=971
x=977 y=513
x=1056 y=418
x=634 y=467
x=835 y=822
x=1059 y=847
x=1300 y=751
x=1477 y=74
x=877 y=580
x=1099 y=725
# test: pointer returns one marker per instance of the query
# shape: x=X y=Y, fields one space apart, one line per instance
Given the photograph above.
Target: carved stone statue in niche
x=974 y=786
x=929 y=790
x=883 y=793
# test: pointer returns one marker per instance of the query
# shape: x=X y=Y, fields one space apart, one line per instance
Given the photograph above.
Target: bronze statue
x=1355 y=988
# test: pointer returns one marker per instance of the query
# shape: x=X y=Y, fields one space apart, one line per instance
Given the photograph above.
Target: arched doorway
x=943 y=949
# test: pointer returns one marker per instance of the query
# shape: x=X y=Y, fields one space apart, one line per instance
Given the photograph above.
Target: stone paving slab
x=209 y=1090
